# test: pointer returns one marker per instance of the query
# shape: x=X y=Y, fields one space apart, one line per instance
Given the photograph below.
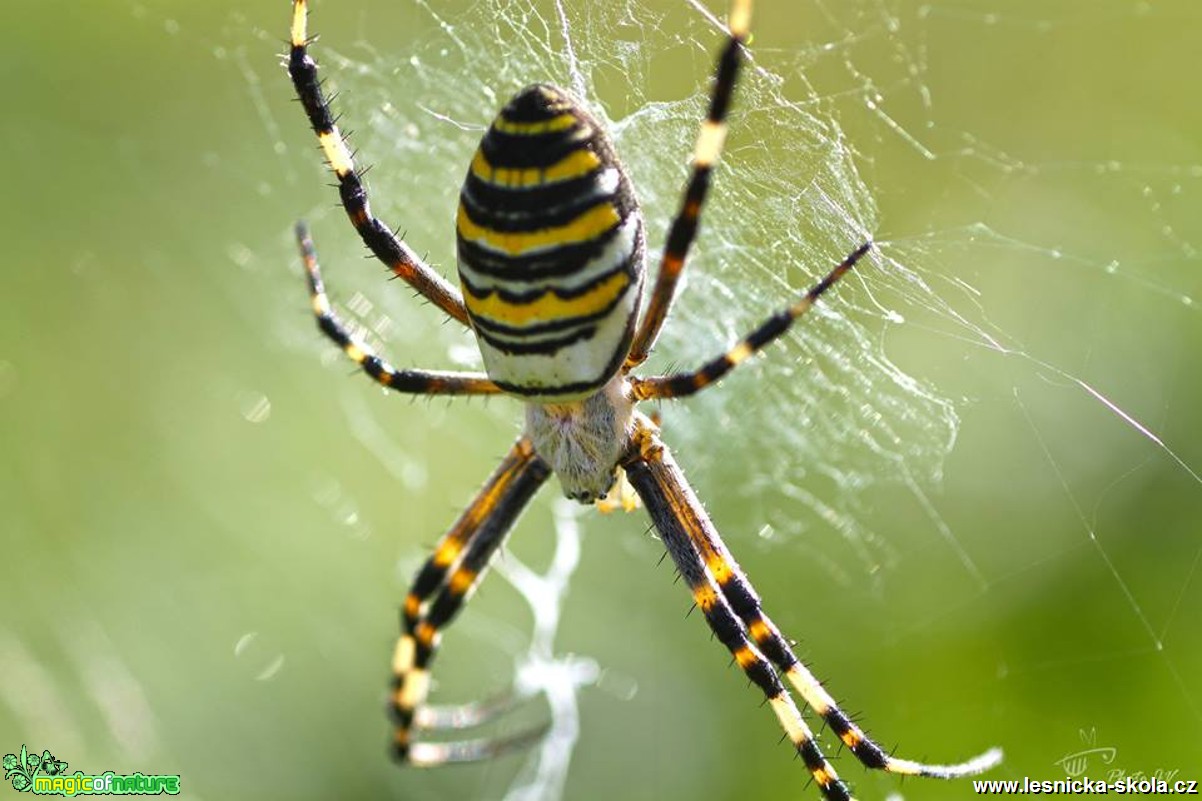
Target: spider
x=551 y=260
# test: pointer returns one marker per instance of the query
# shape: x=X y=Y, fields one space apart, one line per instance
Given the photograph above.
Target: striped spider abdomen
x=550 y=245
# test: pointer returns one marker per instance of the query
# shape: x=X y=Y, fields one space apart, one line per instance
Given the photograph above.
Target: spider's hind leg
x=419 y=382
x=683 y=229
x=378 y=237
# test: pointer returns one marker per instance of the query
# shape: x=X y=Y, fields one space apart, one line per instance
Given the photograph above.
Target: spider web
x=818 y=199
x=1072 y=327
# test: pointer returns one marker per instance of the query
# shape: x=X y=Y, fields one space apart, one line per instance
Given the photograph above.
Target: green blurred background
x=207 y=524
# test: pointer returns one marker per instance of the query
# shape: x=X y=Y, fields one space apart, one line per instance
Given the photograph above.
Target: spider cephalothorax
x=582 y=442
x=550 y=241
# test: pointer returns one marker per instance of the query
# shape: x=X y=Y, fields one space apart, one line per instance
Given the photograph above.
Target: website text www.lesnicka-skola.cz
x=1128 y=785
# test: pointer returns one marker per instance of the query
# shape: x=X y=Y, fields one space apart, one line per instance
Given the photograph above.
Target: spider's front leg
x=440 y=589
x=676 y=513
x=378 y=237
x=732 y=609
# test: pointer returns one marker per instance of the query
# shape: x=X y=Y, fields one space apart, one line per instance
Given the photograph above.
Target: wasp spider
x=551 y=248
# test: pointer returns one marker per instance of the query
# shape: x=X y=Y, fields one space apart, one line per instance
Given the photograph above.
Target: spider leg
x=421 y=382
x=679 y=385
x=376 y=235
x=656 y=475
x=441 y=588
x=705 y=154
x=677 y=515
x=743 y=599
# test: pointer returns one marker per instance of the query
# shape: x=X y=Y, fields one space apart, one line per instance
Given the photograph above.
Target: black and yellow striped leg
x=677 y=515
x=419 y=382
x=449 y=550
x=676 y=502
x=745 y=602
x=449 y=577
x=679 y=385
x=705 y=155
x=376 y=235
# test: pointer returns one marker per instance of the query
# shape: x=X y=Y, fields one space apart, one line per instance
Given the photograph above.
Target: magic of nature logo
x=45 y=774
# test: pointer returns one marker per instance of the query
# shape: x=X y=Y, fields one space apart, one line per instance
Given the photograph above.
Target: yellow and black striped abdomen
x=550 y=241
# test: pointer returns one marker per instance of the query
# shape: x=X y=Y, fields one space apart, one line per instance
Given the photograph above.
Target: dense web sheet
x=855 y=425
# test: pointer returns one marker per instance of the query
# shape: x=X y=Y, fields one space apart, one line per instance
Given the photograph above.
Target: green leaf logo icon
x=20 y=769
